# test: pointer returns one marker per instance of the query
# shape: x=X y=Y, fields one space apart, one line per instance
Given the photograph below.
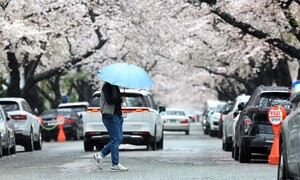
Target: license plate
x=173 y=120
x=51 y=123
x=124 y=115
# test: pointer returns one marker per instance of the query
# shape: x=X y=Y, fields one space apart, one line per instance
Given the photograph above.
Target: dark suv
x=253 y=131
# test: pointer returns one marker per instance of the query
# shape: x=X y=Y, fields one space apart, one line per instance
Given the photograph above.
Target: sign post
x=276 y=115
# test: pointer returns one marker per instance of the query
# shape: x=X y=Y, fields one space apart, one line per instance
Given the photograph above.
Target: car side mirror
x=80 y=115
x=295 y=93
x=161 y=109
x=241 y=106
x=35 y=111
x=8 y=118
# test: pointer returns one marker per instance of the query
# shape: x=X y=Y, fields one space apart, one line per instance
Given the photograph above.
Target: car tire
x=6 y=151
x=0 y=146
x=187 y=132
x=151 y=145
x=29 y=143
x=38 y=144
x=282 y=172
x=236 y=153
x=206 y=131
x=226 y=146
x=160 y=144
x=88 y=146
x=244 y=155
x=76 y=134
x=13 y=148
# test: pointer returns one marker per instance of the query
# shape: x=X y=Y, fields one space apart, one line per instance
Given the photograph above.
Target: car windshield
x=77 y=108
x=176 y=113
x=220 y=108
x=52 y=113
x=9 y=106
x=95 y=102
x=270 y=99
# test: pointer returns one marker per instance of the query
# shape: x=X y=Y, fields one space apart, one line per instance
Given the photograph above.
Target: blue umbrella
x=125 y=75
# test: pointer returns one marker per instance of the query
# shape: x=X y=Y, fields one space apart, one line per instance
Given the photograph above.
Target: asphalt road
x=194 y=156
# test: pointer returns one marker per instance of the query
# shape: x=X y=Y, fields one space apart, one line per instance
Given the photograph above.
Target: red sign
x=276 y=114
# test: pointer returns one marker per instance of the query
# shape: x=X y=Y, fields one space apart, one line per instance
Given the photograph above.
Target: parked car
x=213 y=121
x=254 y=133
x=7 y=133
x=27 y=125
x=224 y=112
x=175 y=120
x=142 y=125
x=73 y=125
x=229 y=121
x=289 y=144
x=210 y=105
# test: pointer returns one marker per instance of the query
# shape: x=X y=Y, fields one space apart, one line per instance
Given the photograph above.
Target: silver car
x=27 y=125
x=289 y=162
x=175 y=120
x=229 y=122
x=7 y=131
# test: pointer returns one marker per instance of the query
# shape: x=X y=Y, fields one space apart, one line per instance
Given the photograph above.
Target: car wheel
x=226 y=145
x=39 y=142
x=76 y=134
x=0 y=149
x=151 y=146
x=160 y=144
x=88 y=146
x=0 y=146
x=236 y=153
x=282 y=173
x=6 y=151
x=29 y=143
x=13 y=148
x=206 y=131
x=187 y=132
x=244 y=155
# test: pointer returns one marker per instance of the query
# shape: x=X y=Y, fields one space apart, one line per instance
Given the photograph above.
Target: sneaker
x=97 y=160
x=118 y=167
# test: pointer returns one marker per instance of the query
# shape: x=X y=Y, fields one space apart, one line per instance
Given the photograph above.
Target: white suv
x=27 y=125
x=142 y=125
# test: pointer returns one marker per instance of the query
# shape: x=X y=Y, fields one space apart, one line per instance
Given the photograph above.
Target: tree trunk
x=14 y=84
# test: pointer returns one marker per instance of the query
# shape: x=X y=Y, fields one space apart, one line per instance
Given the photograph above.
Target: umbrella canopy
x=125 y=75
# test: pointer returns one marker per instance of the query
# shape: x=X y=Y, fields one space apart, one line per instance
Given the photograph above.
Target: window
x=9 y=106
x=135 y=100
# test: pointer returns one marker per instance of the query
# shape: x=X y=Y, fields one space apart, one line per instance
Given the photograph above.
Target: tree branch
x=247 y=28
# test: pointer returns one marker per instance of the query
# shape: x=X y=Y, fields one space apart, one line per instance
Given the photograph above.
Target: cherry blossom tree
x=189 y=48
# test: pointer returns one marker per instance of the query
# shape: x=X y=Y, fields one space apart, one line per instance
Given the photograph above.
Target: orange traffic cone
x=61 y=137
x=276 y=115
x=273 y=158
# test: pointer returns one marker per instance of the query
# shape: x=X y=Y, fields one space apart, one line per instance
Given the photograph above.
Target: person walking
x=111 y=110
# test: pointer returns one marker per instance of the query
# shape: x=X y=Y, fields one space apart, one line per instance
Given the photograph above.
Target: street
x=194 y=156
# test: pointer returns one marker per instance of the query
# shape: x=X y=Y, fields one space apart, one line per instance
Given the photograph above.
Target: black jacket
x=112 y=95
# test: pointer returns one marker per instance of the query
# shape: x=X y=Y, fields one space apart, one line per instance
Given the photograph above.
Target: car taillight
x=135 y=110
x=247 y=124
x=184 y=121
x=19 y=117
x=69 y=121
x=93 y=110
